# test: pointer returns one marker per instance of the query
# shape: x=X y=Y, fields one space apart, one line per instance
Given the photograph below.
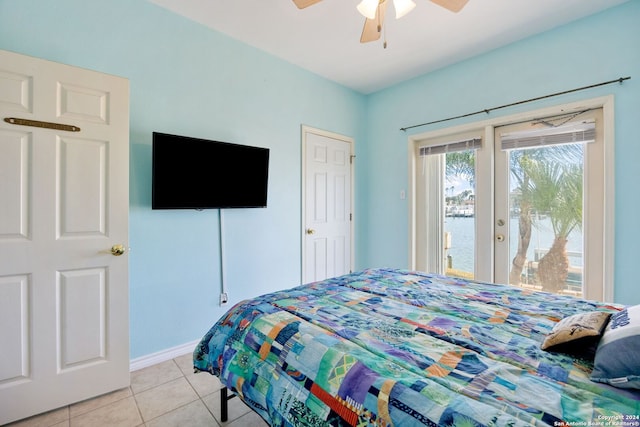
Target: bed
x=384 y=347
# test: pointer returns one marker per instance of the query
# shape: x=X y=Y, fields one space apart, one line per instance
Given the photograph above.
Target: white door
x=327 y=205
x=64 y=205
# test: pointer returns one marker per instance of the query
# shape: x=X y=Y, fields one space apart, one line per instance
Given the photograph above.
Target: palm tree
x=558 y=192
x=533 y=170
x=519 y=167
x=462 y=163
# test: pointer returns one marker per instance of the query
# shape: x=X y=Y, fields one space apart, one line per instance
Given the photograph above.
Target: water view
x=463 y=238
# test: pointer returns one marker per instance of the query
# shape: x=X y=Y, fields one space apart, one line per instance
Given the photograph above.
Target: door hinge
x=350 y=217
x=351 y=157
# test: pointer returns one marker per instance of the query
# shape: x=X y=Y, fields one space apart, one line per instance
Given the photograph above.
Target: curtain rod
x=488 y=110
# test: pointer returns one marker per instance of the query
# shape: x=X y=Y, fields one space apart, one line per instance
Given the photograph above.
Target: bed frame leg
x=224 y=415
x=224 y=407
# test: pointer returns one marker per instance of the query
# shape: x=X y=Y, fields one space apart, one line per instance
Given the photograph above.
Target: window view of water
x=462 y=241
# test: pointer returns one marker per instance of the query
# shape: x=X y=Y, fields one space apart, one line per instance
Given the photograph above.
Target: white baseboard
x=162 y=356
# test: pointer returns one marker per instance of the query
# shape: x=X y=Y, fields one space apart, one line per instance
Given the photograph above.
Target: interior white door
x=327 y=213
x=64 y=191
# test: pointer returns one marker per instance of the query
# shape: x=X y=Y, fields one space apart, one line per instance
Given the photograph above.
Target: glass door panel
x=460 y=218
x=444 y=194
x=543 y=224
x=545 y=219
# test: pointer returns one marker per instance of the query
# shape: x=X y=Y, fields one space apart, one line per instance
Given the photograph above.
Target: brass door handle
x=117 y=250
x=310 y=231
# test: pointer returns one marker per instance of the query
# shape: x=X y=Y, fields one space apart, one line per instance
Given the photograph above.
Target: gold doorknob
x=310 y=231
x=117 y=250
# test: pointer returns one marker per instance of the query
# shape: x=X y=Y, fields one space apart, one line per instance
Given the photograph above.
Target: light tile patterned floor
x=164 y=395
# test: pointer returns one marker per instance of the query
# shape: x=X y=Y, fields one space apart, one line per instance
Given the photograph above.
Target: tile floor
x=164 y=395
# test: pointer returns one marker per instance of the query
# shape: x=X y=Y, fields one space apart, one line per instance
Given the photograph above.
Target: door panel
x=82 y=306
x=543 y=171
x=327 y=205
x=15 y=153
x=83 y=103
x=82 y=177
x=16 y=90
x=14 y=310
x=63 y=296
x=444 y=185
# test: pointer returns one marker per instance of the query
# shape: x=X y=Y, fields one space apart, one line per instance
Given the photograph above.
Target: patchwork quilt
x=388 y=347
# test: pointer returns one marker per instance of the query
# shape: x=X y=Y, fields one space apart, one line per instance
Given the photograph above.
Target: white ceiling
x=325 y=38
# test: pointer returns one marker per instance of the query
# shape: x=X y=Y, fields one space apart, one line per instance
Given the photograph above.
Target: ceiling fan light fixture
x=403 y=7
x=368 y=8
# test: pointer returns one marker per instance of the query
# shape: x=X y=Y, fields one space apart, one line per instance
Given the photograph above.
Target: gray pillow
x=617 y=360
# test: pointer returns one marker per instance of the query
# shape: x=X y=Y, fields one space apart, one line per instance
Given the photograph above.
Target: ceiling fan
x=375 y=10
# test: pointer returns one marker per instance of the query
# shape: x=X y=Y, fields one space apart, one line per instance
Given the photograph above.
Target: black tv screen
x=193 y=173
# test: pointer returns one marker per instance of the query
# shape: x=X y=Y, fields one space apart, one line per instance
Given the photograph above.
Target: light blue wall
x=598 y=48
x=188 y=80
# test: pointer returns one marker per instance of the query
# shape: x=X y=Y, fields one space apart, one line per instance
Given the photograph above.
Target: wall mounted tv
x=193 y=173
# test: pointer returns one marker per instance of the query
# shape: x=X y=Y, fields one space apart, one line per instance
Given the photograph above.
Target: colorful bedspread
x=387 y=347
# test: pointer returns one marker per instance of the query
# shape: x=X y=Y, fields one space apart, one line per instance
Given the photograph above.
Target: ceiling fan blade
x=305 y=3
x=373 y=27
x=452 y=5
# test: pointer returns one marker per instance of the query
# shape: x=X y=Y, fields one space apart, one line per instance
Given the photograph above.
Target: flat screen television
x=193 y=173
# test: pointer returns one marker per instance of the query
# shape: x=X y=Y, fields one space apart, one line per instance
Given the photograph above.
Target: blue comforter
x=386 y=347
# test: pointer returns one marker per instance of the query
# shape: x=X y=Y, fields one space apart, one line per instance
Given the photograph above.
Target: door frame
x=304 y=130
x=485 y=210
